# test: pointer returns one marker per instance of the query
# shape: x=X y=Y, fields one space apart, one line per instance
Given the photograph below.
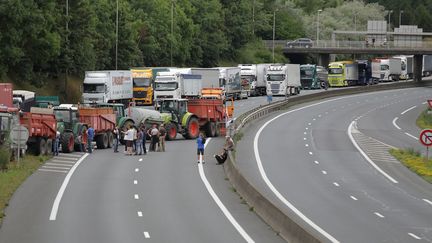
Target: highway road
x=305 y=162
x=109 y=197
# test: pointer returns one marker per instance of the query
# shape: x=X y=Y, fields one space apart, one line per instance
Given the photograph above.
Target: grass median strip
x=12 y=177
x=424 y=121
x=414 y=161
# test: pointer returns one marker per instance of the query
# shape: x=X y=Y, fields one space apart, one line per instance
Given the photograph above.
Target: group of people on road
x=84 y=140
x=135 y=139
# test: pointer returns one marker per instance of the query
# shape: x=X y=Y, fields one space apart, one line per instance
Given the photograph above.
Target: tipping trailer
x=42 y=126
x=103 y=121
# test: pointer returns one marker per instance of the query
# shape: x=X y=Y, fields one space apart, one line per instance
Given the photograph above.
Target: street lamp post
x=400 y=17
x=389 y=14
x=317 y=38
x=274 y=25
x=172 y=31
x=116 y=44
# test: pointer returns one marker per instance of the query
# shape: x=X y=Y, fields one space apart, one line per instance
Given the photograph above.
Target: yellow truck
x=343 y=73
x=142 y=86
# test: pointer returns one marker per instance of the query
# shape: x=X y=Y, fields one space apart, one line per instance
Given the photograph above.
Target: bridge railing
x=350 y=44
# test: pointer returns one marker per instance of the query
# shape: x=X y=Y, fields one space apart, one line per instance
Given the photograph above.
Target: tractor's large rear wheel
x=68 y=142
x=49 y=146
x=40 y=146
x=110 y=139
x=171 y=129
x=192 y=128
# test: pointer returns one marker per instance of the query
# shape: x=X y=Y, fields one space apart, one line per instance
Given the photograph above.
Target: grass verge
x=14 y=176
x=424 y=121
x=414 y=161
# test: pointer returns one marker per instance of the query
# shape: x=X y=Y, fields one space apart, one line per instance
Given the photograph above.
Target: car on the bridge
x=302 y=42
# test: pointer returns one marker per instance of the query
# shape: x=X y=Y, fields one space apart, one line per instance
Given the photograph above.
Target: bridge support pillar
x=418 y=66
x=323 y=60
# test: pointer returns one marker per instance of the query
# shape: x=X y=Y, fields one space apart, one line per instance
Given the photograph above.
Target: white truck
x=407 y=68
x=176 y=84
x=210 y=77
x=427 y=65
x=259 y=85
x=283 y=79
x=229 y=80
x=391 y=69
x=247 y=77
x=107 y=87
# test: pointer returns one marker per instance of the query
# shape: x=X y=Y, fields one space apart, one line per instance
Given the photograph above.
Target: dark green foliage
x=35 y=44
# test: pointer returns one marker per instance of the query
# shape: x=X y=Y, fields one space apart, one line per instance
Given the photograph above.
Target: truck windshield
x=384 y=67
x=94 y=88
x=335 y=71
x=275 y=77
x=306 y=73
x=4 y=123
x=166 y=86
x=141 y=82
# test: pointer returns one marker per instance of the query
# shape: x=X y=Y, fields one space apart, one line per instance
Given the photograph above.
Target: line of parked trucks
x=362 y=72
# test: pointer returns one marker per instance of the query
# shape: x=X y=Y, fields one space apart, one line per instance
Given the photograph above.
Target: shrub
x=4 y=158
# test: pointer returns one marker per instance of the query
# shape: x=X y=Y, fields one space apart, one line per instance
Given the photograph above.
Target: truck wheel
x=192 y=128
x=49 y=145
x=218 y=127
x=68 y=142
x=210 y=129
x=102 y=141
x=40 y=146
x=171 y=131
x=110 y=139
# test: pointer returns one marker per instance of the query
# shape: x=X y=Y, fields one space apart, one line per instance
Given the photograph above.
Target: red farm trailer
x=42 y=127
x=103 y=121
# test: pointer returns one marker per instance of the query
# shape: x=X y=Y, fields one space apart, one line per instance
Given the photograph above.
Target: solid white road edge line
x=414 y=236
x=394 y=123
x=273 y=188
x=365 y=155
x=412 y=136
x=60 y=193
x=427 y=201
x=405 y=111
x=219 y=202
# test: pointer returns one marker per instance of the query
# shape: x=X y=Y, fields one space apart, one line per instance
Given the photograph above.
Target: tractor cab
x=8 y=119
x=176 y=107
x=66 y=116
x=119 y=109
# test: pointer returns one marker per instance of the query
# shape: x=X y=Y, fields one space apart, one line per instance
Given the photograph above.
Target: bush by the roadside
x=15 y=175
x=4 y=158
x=424 y=121
x=414 y=161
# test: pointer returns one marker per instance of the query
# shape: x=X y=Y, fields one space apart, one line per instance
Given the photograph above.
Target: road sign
x=19 y=135
x=426 y=137
x=430 y=103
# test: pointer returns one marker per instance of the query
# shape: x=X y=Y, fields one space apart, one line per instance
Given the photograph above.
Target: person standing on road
x=154 y=133
x=162 y=135
x=90 y=136
x=56 y=144
x=200 y=147
x=269 y=97
x=128 y=137
x=144 y=138
x=139 y=143
x=116 y=133
x=135 y=135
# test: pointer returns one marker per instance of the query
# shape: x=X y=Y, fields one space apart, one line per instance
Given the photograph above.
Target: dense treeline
x=38 y=40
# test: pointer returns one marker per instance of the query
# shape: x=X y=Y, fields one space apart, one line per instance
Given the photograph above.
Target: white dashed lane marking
x=379 y=215
x=146 y=235
x=135 y=182
x=427 y=201
x=353 y=198
x=136 y=196
x=414 y=236
x=140 y=214
x=405 y=111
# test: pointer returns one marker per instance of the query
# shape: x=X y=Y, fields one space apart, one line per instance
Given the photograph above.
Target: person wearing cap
x=162 y=135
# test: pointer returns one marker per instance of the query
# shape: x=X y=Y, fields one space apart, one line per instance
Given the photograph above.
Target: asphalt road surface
x=303 y=159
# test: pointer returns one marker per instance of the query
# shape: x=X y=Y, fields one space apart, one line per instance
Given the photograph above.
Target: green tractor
x=69 y=126
x=178 y=119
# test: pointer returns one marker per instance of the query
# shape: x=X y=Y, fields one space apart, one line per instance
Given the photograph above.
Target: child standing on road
x=200 y=147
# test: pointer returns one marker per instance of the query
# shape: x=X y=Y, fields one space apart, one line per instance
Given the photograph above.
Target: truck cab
x=142 y=86
x=343 y=73
x=248 y=76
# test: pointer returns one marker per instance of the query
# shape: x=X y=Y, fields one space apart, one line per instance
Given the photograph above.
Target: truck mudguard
x=186 y=118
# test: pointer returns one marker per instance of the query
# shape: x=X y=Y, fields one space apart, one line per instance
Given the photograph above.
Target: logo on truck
x=120 y=80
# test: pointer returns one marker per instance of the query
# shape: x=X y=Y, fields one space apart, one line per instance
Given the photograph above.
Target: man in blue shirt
x=90 y=136
x=200 y=147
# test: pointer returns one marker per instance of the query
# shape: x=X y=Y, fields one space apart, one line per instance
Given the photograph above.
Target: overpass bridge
x=324 y=48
